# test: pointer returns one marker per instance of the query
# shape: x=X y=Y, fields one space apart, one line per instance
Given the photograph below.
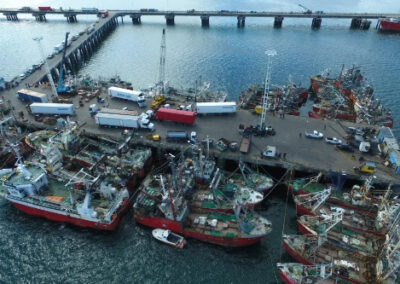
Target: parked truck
x=45 y=8
x=177 y=136
x=181 y=116
x=130 y=95
x=52 y=108
x=216 y=108
x=245 y=145
x=119 y=111
x=32 y=96
x=126 y=121
x=90 y=10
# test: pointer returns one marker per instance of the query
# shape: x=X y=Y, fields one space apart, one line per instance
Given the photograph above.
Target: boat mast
x=270 y=54
x=161 y=71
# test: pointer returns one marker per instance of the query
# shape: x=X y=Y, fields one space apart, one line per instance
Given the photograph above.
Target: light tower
x=161 y=72
x=46 y=66
x=270 y=54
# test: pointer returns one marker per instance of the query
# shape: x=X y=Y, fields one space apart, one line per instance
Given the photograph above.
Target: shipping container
x=177 y=136
x=119 y=111
x=52 y=108
x=125 y=94
x=90 y=10
x=45 y=8
x=127 y=121
x=32 y=96
x=216 y=107
x=181 y=116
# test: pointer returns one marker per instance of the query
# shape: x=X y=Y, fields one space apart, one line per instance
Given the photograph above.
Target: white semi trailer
x=216 y=108
x=126 y=121
x=52 y=108
x=125 y=94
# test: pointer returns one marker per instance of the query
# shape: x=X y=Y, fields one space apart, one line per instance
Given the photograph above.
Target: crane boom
x=60 y=87
x=306 y=10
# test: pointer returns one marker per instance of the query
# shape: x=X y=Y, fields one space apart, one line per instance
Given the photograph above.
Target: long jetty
x=301 y=154
x=358 y=20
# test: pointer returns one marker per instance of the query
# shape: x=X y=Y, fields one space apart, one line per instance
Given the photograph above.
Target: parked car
x=314 y=134
x=269 y=152
x=333 y=140
x=345 y=147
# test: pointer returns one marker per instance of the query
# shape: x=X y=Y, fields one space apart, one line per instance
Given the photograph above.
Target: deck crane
x=46 y=66
x=270 y=54
x=306 y=10
x=60 y=87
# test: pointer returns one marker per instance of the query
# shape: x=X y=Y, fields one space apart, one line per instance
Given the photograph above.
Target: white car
x=314 y=134
x=333 y=140
x=269 y=152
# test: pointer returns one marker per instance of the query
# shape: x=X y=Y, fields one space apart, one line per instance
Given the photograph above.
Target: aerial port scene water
x=199 y=141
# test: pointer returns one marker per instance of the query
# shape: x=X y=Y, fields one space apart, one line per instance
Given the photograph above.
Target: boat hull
x=286 y=278
x=303 y=229
x=389 y=26
x=301 y=210
x=174 y=226
x=64 y=217
x=297 y=256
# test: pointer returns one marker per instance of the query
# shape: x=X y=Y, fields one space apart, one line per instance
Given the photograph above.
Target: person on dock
x=300 y=134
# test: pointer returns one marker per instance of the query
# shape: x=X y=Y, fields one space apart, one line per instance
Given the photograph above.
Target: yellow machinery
x=157 y=101
x=368 y=167
x=258 y=109
x=154 y=137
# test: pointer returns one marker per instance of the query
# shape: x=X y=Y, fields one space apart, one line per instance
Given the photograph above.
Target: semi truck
x=126 y=121
x=181 y=136
x=216 y=108
x=52 y=108
x=32 y=96
x=181 y=116
x=130 y=95
x=90 y=10
x=45 y=8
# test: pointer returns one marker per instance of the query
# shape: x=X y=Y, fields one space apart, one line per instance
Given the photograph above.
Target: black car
x=345 y=147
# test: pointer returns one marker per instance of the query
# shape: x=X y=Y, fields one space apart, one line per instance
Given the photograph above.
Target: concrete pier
x=241 y=21
x=11 y=16
x=205 y=21
x=316 y=22
x=71 y=18
x=136 y=20
x=170 y=19
x=278 y=22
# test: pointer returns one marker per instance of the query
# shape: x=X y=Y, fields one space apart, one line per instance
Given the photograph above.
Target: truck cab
x=146 y=124
x=193 y=137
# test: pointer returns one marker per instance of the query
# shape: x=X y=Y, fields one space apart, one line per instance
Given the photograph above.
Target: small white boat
x=168 y=237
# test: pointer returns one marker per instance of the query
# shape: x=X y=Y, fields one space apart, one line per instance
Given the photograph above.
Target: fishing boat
x=169 y=238
x=79 y=151
x=347 y=265
x=167 y=208
x=339 y=235
x=297 y=273
x=221 y=197
x=255 y=180
x=359 y=198
x=79 y=198
x=389 y=24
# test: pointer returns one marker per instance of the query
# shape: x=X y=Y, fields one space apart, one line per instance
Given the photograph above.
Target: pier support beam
x=205 y=21
x=365 y=24
x=170 y=19
x=316 y=22
x=71 y=18
x=241 y=21
x=355 y=23
x=40 y=17
x=278 y=22
x=136 y=19
x=11 y=16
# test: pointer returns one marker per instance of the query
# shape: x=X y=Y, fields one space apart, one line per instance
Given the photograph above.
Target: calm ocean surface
x=34 y=250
